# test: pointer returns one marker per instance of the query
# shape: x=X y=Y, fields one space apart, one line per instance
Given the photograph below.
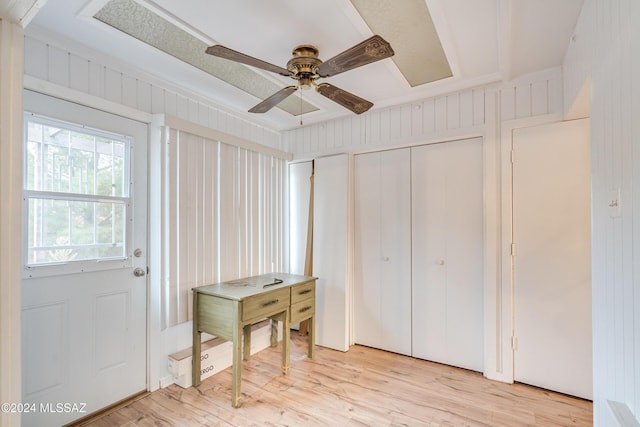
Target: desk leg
x=247 y=342
x=274 y=332
x=196 y=346
x=286 y=340
x=312 y=336
x=236 y=379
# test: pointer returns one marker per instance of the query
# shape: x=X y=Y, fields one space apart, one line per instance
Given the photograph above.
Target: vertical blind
x=222 y=217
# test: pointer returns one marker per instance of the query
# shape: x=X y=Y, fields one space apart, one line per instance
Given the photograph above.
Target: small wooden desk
x=228 y=309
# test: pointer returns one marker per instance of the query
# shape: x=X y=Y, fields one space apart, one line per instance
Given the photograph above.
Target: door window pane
x=76 y=193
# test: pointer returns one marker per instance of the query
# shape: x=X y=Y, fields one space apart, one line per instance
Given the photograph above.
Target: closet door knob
x=440 y=262
x=385 y=258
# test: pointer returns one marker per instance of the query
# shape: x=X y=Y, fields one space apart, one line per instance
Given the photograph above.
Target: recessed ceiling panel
x=137 y=21
x=408 y=26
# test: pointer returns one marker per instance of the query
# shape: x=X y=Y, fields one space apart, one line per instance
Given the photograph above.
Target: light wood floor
x=362 y=387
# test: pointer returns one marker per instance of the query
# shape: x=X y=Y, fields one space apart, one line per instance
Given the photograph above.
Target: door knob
x=441 y=262
x=139 y=272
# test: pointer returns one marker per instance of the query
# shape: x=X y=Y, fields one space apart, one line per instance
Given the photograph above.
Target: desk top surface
x=242 y=288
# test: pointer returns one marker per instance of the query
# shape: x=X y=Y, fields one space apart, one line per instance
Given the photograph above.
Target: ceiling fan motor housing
x=304 y=65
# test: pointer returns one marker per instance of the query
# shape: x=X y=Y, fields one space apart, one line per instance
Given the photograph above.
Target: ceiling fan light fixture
x=306 y=83
x=305 y=67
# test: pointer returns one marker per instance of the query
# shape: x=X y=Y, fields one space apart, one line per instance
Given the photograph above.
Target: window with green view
x=76 y=192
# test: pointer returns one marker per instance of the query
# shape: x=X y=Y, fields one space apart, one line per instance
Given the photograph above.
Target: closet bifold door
x=447 y=253
x=382 y=286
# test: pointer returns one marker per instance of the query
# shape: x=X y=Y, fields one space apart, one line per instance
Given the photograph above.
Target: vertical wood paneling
x=478 y=107
x=182 y=107
x=507 y=103
x=331 y=134
x=405 y=121
x=173 y=248
x=466 y=109
x=453 y=111
x=193 y=111
x=184 y=202
x=385 y=128
x=633 y=12
x=144 y=96
x=429 y=116
x=129 y=91
x=79 y=73
x=441 y=122
x=210 y=212
x=35 y=63
x=523 y=100
x=416 y=119
x=157 y=100
x=395 y=123
x=229 y=187
x=606 y=49
x=58 y=66
x=96 y=79
x=170 y=103
x=539 y=98
x=113 y=85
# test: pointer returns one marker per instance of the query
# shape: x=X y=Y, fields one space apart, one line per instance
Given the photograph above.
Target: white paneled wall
x=455 y=115
x=44 y=62
x=606 y=51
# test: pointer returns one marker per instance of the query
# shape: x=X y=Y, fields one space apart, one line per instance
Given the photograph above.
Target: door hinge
x=514 y=249
x=514 y=343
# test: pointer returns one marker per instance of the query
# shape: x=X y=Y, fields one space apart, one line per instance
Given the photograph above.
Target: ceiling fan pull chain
x=300 y=107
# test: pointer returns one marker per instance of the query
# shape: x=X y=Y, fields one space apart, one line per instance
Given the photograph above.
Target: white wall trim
x=47 y=88
x=216 y=135
x=621 y=415
x=11 y=70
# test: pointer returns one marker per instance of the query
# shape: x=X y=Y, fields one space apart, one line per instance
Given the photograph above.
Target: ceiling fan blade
x=344 y=98
x=371 y=50
x=230 y=54
x=273 y=100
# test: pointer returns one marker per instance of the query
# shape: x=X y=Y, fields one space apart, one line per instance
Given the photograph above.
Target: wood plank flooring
x=362 y=387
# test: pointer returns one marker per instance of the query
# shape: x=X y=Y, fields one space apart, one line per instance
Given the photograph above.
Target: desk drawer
x=303 y=310
x=263 y=305
x=303 y=291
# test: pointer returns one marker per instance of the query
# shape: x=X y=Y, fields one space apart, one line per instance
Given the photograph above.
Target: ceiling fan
x=306 y=68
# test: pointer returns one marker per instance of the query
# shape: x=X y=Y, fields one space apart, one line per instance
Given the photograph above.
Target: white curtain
x=222 y=217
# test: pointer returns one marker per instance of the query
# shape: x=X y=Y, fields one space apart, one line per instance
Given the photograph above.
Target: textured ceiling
x=410 y=30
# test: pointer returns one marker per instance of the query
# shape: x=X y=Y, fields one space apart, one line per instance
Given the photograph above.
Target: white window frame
x=87 y=265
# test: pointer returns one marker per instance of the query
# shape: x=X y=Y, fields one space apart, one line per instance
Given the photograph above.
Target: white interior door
x=299 y=190
x=382 y=276
x=84 y=324
x=552 y=265
x=330 y=251
x=447 y=253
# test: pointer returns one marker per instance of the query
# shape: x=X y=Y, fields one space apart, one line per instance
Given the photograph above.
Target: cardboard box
x=216 y=355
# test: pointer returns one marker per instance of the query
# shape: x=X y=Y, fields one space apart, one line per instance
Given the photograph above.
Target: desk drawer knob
x=267 y=304
x=306 y=291
x=303 y=309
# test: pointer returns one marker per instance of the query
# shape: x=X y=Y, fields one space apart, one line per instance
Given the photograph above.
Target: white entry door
x=552 y=263
x=84 y=310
